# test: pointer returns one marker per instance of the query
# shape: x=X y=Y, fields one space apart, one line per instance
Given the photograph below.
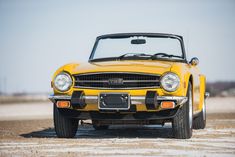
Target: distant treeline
x=221 y=88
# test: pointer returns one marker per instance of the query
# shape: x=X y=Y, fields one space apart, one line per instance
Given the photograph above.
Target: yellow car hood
x=154 y=67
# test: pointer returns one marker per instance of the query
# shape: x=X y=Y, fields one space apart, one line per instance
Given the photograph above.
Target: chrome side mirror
x=207 y=94
x=194 y=61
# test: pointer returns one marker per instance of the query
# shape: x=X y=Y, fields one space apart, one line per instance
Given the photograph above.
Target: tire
x=64 y=127
x=183 y=120
x=199 y=122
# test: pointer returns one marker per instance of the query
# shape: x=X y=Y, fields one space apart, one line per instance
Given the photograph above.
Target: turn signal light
x=63 y=104
x=167 y=104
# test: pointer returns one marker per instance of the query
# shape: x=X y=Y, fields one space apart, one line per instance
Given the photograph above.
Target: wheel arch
x=188 y=79
x=202 y=90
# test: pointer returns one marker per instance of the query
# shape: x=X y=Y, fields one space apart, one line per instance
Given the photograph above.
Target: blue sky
x=37 y=37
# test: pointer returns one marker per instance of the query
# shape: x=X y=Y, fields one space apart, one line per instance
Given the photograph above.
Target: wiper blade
x=134 y=55
x=102 y=59
x=157 y=55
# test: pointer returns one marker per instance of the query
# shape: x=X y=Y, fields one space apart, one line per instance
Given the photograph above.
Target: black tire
x=101 y=127
x=199 y=122
x=183 y=120
x=64 y=127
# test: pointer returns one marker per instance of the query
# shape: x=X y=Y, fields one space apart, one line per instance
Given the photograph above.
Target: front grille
x=116 y=80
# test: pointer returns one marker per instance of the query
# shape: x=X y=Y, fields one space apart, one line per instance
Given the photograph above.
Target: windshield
x=139 y=47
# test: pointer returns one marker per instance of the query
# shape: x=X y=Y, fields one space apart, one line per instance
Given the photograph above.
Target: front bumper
x=134 y=100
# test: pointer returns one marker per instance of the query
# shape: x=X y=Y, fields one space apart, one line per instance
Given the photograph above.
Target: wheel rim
x=204 y=111
x=190 y=109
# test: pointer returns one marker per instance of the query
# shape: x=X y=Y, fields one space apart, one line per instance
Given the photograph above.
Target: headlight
x=170 y=82
x=63 y=82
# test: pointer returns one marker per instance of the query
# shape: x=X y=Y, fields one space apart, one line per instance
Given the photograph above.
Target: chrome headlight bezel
x=175 y=82
x=68 y=81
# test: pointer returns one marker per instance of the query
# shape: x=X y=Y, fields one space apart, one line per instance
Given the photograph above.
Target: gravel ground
x=28 y=131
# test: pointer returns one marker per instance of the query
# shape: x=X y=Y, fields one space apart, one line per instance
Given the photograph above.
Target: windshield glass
x=138 y=46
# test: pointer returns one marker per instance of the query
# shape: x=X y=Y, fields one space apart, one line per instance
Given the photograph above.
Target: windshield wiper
x=133 y=55
x=146 y=56
x=157 y=55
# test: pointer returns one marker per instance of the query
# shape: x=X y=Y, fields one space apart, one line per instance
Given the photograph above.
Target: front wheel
x=182 y=122
x=64 y=127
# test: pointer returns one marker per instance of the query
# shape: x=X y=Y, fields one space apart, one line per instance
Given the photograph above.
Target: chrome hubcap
x=204 y=111
x=190 y=109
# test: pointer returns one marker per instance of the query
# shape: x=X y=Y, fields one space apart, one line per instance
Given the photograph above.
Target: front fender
x=202 y=91
x=183 y=71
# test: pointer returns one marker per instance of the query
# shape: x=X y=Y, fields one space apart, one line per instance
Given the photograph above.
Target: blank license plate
x=114 y=101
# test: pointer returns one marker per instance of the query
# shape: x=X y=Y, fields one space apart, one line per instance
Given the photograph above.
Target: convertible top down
x=131 y=78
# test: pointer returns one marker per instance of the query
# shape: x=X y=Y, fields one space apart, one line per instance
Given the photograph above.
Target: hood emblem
x=115 y=81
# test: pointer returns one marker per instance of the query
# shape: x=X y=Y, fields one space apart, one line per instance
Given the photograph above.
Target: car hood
x=153 y=67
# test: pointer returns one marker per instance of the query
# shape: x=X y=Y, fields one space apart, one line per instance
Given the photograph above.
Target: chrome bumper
x=137 y=100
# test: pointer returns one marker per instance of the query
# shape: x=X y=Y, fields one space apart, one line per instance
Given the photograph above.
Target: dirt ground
x=31 y=133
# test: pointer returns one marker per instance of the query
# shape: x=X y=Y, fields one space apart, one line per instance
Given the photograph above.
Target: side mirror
x=194 y=61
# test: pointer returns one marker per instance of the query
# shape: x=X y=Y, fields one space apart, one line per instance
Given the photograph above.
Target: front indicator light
x=63 y=104
x=167 y=104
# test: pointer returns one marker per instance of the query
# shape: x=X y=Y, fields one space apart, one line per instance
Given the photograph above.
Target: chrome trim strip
x=59 y=97
x=180 y=99
x=118 y=72
x=82 y=87
x=137 y=100
x=141 y=99
x=93 y=99
x=125 y=81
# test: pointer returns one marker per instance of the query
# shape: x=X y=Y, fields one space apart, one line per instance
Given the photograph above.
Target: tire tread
x=198 y=122
x=180 y=126
x=64 y=127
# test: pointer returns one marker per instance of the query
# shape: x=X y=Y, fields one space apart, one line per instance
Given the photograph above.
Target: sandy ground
x=26 y=111
x=27 y=130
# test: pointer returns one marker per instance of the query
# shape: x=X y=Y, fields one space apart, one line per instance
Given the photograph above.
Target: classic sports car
x=131 y=78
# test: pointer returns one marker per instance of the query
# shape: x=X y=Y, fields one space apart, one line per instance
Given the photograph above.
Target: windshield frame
x=128 y=35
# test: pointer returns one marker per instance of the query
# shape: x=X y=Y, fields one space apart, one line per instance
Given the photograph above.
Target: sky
x=37 y=37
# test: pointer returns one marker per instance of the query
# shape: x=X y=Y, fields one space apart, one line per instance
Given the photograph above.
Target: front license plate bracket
x=114 y=101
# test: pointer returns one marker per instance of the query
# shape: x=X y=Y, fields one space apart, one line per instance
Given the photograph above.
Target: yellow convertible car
x=131 y=78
